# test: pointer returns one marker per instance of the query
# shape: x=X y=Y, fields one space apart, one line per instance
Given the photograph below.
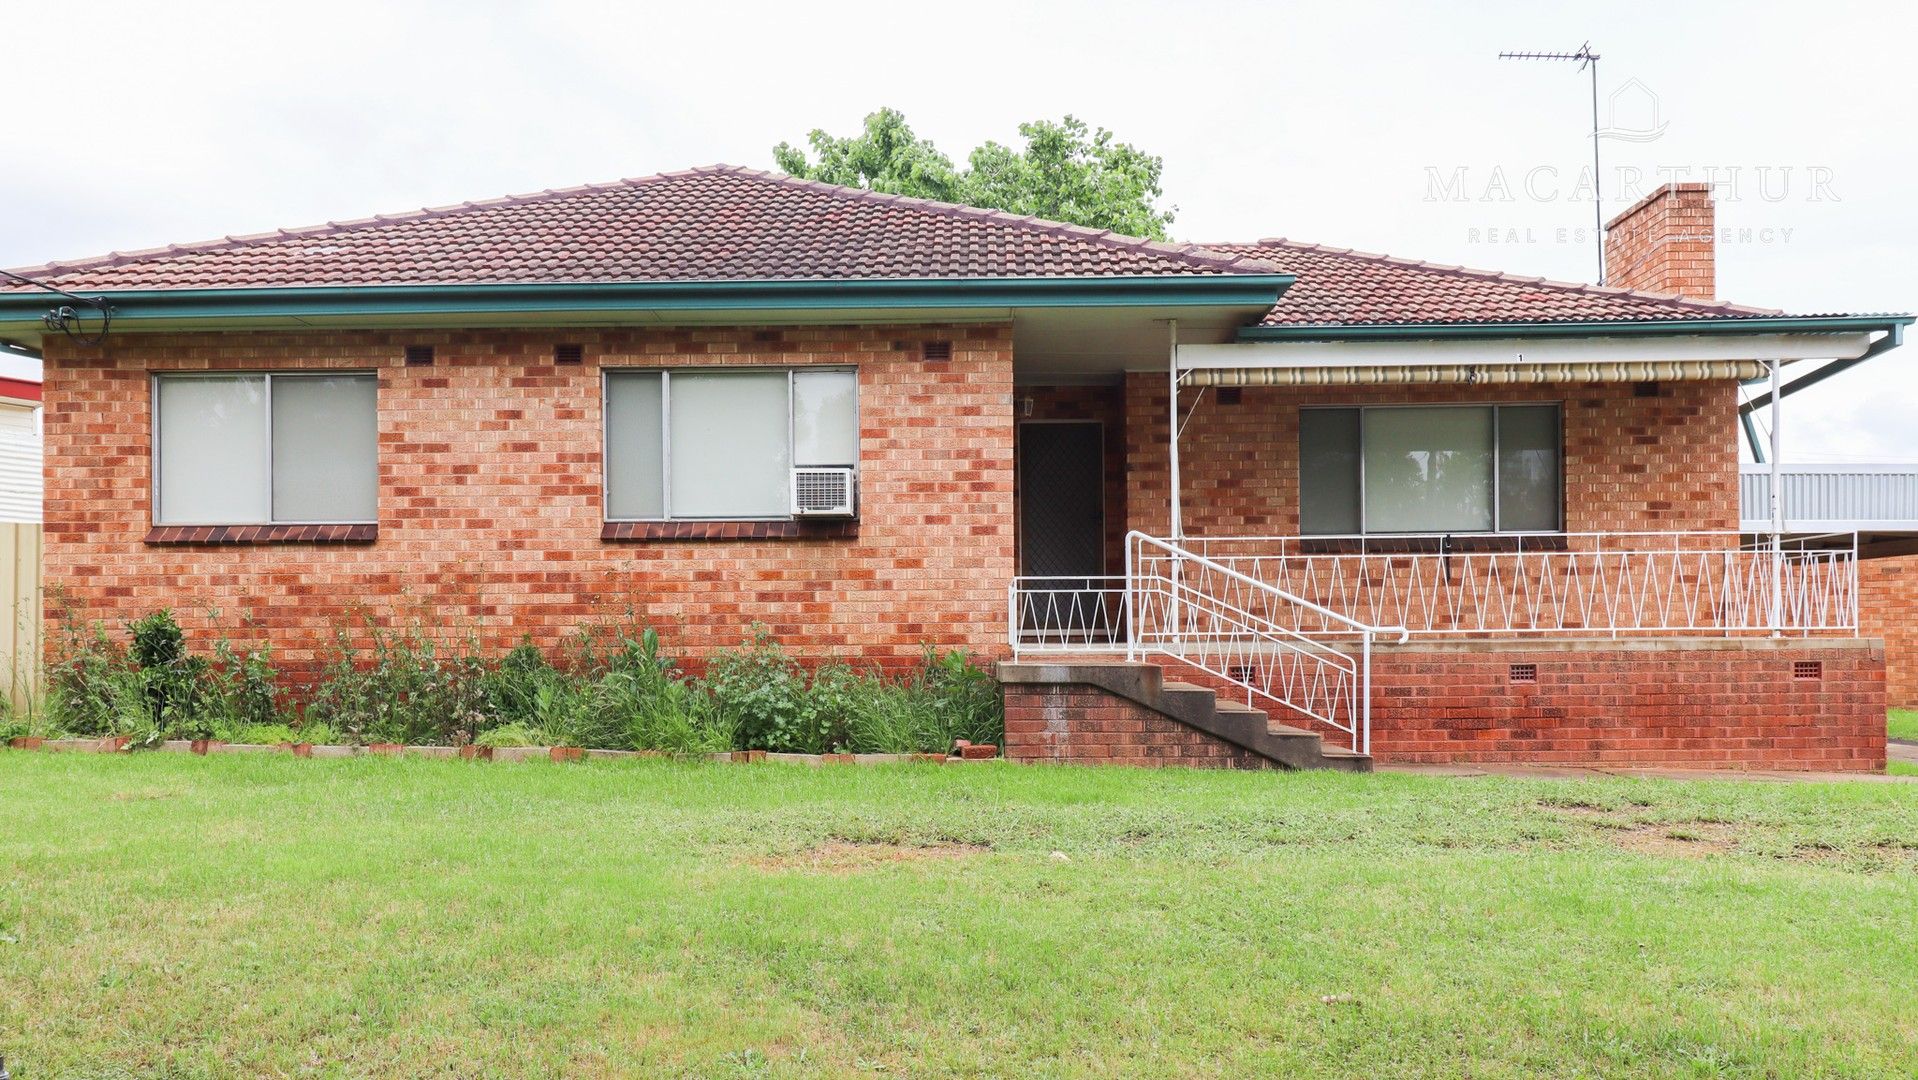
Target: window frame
x=607 y=373
x=1558 y=415
x=268 y=377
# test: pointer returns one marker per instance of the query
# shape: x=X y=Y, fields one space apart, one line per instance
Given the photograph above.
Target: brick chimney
x=1664 y=243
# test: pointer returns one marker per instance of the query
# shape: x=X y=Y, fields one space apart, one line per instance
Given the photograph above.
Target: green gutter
x=404 y=301
x=1783 y=324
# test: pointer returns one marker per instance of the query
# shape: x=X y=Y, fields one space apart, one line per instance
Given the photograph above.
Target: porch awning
x=1475 y=374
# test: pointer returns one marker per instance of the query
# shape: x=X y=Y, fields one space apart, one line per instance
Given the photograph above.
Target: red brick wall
x=1694 y=705
x=1072 y=723
x=490 y=508
x=1679 y=704
x=1668 y=462
x=1888 y=609
x=1664 y=243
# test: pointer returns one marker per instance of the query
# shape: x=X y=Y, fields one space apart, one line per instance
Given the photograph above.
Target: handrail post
x=1131 y=622
x=1012 y=614
x=1777 y=510
x=1365 y=693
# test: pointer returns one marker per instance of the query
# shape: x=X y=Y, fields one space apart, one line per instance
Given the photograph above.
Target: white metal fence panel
x=1831 y=497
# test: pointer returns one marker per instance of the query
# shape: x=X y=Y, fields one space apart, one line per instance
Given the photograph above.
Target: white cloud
x=136 y=124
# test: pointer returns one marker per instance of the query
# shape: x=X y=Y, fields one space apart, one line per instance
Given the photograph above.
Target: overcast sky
x=137 y=124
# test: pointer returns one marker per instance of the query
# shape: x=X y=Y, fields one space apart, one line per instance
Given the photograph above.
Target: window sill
x=797 y=529
x=262 y=534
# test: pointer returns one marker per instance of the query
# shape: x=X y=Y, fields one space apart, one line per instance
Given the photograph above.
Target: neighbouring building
x=1410 y=511
x=20 y=464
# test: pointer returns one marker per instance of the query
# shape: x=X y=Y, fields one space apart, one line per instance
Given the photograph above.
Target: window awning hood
x=1520 y=358
x=1476 y=374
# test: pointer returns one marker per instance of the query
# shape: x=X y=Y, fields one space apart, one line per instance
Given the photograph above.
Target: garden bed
x=498 y=754
x=426 y=689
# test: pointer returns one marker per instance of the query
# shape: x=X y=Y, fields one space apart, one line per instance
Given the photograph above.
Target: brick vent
x=1808 y=669
x=729 y=530
x=419 y=354
x=936 y=352
x=1522 y=673
x=262 y=534
x=569 y=354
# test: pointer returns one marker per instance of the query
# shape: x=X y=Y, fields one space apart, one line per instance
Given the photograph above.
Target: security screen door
x=1061 y=499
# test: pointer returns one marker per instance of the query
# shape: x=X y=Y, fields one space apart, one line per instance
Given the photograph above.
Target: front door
x=1062 y=498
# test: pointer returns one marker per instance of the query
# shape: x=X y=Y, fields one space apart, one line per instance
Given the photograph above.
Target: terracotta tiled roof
x=1338 y=286
x=724 y=223
x=719 y=223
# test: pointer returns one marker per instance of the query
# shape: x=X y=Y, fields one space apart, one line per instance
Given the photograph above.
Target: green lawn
x=174 y=916
x=1903 y=724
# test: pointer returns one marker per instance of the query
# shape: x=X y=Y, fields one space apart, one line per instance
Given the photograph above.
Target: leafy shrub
x=92 y=686
x=761 y=693
x=171 y=679
x=641 y=700
x=946 y=698
x=154 y=688
x=965 y=698
x=413 y=689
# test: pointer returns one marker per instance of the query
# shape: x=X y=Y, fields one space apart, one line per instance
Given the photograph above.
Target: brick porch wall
x=1076 y=724
x=1668 y=703
x=1632 y=464
x=1700 y=704
x=1888 y=609
x=489 y=497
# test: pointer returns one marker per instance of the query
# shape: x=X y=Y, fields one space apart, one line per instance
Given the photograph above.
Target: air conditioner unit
x=822 y=492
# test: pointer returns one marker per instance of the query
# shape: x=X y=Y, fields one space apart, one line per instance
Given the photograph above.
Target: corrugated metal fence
x=21 y=602
x=1838 y=498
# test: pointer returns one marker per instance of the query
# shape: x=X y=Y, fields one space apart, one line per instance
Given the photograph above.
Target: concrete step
x=1199 y=708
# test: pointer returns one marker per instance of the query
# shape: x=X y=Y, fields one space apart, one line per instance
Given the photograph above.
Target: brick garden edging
x=202 y=747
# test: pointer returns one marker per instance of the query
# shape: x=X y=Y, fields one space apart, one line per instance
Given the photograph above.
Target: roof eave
x=150 y=309
x=1782 y=324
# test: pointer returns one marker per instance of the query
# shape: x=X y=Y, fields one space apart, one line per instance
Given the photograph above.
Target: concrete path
x=1900 y=750
x=1560 y=772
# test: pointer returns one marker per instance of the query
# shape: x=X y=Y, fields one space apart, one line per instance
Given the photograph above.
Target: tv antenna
x=1586 y=58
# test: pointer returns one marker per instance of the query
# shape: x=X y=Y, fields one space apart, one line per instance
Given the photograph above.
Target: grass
x=1903 y=724
x=164 y=915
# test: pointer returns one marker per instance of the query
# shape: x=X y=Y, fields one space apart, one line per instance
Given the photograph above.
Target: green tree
x=1067 y=171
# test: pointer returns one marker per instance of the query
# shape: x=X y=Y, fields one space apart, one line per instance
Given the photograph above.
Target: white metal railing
x=1829 y=496
x=1066 y=614
x=1578 y=583
x=1174 y=604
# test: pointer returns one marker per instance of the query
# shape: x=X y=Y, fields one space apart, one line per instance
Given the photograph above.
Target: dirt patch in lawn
x=1617 y=826
x=1690 y=840
x=140 y=796
x=846 y=857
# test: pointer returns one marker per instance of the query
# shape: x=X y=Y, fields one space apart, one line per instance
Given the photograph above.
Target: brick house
x=1411 y=512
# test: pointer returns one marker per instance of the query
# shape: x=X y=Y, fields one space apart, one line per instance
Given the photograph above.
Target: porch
x=1544 y=558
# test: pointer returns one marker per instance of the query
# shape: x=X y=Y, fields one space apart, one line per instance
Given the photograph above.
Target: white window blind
x=325 y=446
x=715 y=445
x=264 y=449
x=731 y=447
